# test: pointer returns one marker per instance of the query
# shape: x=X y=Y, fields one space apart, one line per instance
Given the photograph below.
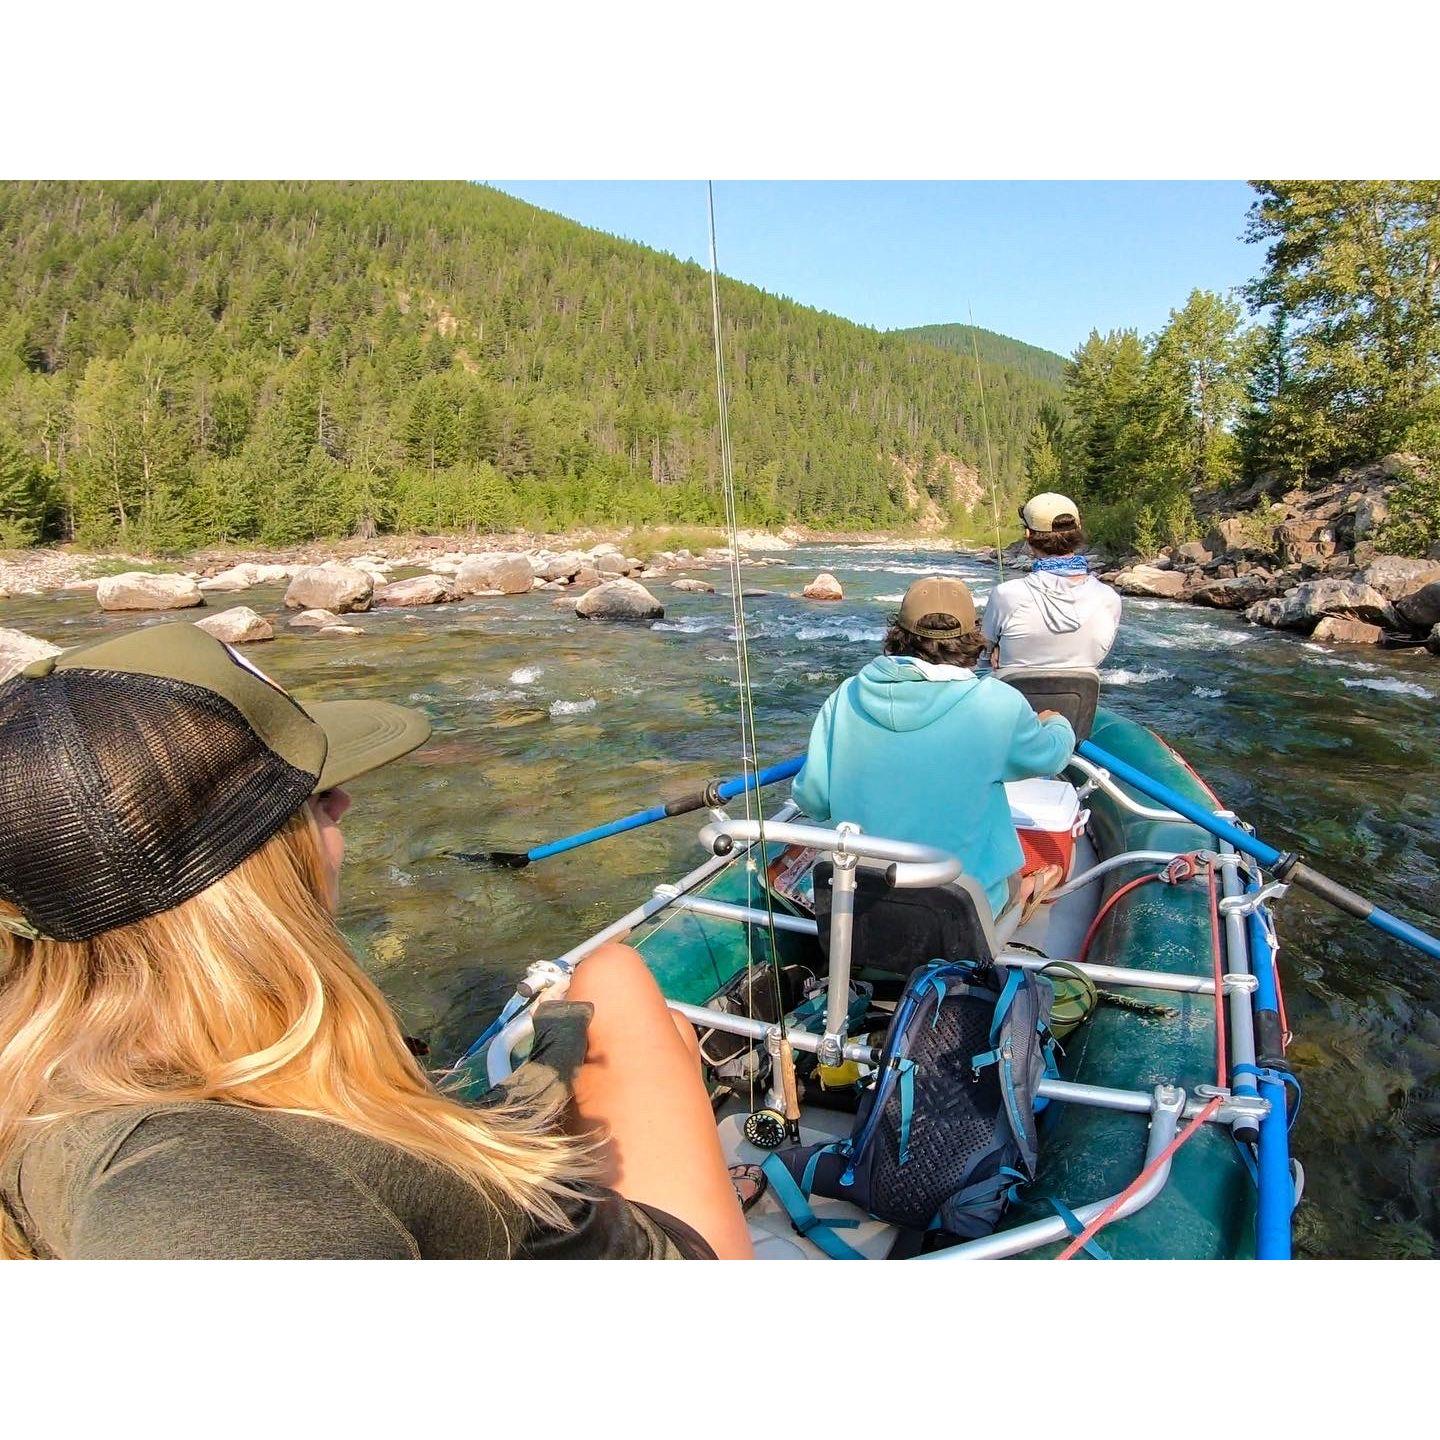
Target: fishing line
x=749 y=747
x=989 y=455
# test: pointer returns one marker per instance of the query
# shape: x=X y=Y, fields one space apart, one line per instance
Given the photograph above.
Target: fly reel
x=765 y=1129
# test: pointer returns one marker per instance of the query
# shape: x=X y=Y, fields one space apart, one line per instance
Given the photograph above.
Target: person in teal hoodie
x=917 y=747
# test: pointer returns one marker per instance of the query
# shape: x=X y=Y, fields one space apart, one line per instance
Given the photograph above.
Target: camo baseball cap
x=136 y=771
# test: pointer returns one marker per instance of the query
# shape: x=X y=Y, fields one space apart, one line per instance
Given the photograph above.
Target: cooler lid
x=1043 y=805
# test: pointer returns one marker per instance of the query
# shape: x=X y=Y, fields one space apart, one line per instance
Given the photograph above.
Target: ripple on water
x=1389 y=686
x=572 y=707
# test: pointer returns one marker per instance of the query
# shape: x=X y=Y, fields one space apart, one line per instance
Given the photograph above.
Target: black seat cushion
x=898 y=930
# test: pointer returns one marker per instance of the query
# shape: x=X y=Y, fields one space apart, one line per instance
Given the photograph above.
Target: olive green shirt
x=205 y=1180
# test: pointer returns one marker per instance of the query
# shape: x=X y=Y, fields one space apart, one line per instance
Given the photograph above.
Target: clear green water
x=546 y=724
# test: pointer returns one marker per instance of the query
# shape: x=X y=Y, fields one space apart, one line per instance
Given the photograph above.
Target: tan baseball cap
x=1044 y=513
x=938 y=595
x=136 y=771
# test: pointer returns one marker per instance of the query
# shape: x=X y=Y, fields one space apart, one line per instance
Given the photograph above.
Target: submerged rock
x=17 y=650
x=330 y=587
x=239 y=625
x=314 y=619
x=421 y=590
x=140 y=591
x=619 y=600
x=824 y=587
x=696 y=587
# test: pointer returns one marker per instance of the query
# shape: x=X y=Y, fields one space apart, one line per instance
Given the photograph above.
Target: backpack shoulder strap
x=794 y=1198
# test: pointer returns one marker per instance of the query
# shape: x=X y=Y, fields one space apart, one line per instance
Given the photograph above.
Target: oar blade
x=505 y=859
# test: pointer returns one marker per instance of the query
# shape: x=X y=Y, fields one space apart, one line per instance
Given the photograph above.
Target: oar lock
x=1248 y=904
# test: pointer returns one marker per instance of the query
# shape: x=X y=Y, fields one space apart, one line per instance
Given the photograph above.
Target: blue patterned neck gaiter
x=1062 y=565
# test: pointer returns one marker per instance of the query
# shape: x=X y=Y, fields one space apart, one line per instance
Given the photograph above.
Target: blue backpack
x=947 y=1130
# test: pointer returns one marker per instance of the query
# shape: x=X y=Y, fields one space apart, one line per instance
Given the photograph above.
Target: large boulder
x=1337 y=629
x=1421 y=609
x=619 y=600
x=340 y=588
x=698 y=587
x=17 y=650
x=1193 y=554
x=508 y=574
x=1235 y=594
x=1281 y=612
x=421 y=590
x=562 y=567
x=1146 y=580
x=239 y=625
x=611 y=564
x=1349 y=598
x=1396 y=576
x=1239 y=534
x=824 y=587
x=237 y=577
x=585 y=577
x=1305 y=541
x=1370 y=514
x=139 y=591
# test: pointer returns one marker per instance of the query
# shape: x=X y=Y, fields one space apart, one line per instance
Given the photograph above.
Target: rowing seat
x=1074 y=693
x=897 y=930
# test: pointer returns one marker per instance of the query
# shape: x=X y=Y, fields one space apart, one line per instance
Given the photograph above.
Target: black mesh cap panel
x=124 y=795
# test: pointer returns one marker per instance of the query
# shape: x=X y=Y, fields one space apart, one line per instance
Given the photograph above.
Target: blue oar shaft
x=725 y=790
x=1296 y=872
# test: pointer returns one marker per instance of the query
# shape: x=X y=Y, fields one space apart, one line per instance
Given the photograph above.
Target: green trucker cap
x=136 y=770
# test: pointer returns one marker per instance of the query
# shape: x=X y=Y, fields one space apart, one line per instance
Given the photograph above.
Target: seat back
x=898 y=930
x=1074 y=693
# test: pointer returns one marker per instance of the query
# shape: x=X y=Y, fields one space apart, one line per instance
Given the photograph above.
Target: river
x=546 y=724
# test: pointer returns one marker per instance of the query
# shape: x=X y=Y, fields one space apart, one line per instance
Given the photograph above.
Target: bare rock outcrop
x=340 y=588
x=619 y=599
x=137 y=590
x=239 y=625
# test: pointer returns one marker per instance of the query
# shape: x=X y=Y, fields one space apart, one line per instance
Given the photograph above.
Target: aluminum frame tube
x=1104 y=867
x=1116 y=974
x=750 y=1029
x=1168 y=1104
x=837 y=984
x=1103 y=781
x=1241 y=1011
x=910 y=865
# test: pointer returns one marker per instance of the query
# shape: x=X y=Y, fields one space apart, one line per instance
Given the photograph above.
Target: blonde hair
x=248 y=994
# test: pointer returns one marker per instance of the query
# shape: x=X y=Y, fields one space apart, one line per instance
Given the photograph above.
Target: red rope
x=1115 y=1206
x=1222 y=1069
x=1105 y=909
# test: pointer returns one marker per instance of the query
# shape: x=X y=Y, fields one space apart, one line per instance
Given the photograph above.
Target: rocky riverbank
x=1303 y=560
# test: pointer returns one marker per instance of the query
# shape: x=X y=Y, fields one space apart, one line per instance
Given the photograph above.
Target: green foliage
x=997 y=349
x=199 y=362
x=1353 y=358
x=1413 y=524
x=23 y=496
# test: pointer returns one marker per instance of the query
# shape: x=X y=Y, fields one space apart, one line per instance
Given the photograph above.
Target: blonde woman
x=193 y=1065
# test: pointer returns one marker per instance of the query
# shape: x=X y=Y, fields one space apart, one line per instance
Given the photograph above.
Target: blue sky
x=1044 y=261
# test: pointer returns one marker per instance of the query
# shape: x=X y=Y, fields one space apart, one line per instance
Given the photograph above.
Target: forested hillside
x=190 y=362
x=1043 y=365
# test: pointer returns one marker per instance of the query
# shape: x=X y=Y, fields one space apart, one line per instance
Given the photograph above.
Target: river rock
x=139 y=591
x=17 y=650
x=585 y=577
x=1281 y=612
x=1370 y=514
x=1421 y=609
x=1193 y=553
x=421 y=590
x=239 y=625
x=1337 y=628
x=619 y=600
x=340 y=631
x=823 y=587
x=759 y=542
x=1433 y=643
x=611 y=564
x=1235 y=534
x=330 y=587
x=1148 y=581
x=314 y=620
x=1396 y=576
x=507 y=574
x=1349 y=598
x=237 y=577
x=562 y=567
x=696 y=587
x=1234 y=594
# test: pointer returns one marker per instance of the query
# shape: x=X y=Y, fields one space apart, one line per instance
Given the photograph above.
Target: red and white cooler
x=1049 y=819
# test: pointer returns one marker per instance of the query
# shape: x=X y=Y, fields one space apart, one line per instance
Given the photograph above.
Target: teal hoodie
x=921 y=759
